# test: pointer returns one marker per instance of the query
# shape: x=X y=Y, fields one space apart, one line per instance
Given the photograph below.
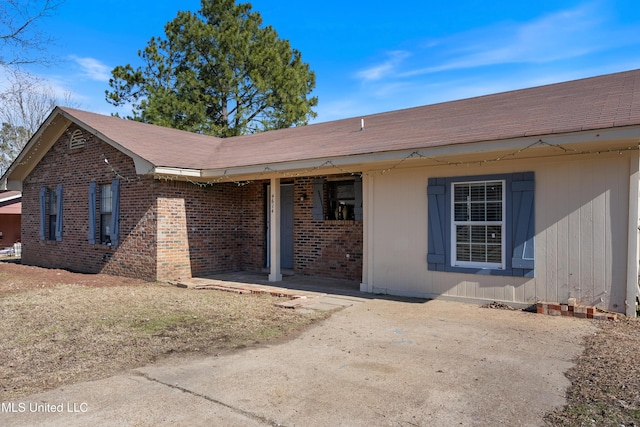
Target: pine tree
x=219 y=72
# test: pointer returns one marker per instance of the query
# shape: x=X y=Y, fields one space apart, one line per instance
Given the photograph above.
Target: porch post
x=632 y=236
x=367 y=236
x=275 y=275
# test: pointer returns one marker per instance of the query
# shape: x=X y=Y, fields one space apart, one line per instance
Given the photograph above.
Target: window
x=338 y=199
x=482 y=224
x=341 y=200
x=106 y=210
x=478 y=224
x=53 y=210
x=51 y=213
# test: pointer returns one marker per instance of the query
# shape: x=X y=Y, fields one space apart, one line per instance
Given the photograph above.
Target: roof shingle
x=588 y=104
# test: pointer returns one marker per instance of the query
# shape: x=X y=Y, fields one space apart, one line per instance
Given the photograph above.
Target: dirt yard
x=60 y=328
x=605 y=383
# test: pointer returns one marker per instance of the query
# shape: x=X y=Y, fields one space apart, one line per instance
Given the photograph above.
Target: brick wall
x=222 y=228
x=171 y=229
x=74 y=169
x=209 y=229
x=324 y=248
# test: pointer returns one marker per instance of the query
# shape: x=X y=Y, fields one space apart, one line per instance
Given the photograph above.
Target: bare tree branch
x=24 y=106
x=21 y=39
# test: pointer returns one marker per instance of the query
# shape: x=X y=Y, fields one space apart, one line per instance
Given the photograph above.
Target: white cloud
x=561 y=35
x=93 y=68
x=384 y=69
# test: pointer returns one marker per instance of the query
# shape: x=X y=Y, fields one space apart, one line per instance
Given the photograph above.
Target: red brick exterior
x=74 y=169
x=173 y=229
x=209 y=229
x=324 y=248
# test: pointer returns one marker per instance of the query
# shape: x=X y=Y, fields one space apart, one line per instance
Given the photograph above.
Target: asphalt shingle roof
x=588 y=104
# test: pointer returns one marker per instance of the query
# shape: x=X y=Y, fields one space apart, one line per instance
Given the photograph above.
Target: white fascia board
x=514 y=144
x=6 y=199
x=595 y=135
x=177 y=172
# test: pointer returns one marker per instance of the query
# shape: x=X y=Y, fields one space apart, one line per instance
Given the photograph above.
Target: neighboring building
x=10 y=213
x=518 y=197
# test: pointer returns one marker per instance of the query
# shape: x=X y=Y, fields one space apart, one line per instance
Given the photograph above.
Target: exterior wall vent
x=77 y=140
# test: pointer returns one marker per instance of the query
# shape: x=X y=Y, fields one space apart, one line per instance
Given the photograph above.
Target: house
x=10 y=213
x=524 y=196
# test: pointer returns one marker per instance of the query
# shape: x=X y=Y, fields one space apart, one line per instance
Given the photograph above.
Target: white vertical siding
x=593 y=245
x=581 y=210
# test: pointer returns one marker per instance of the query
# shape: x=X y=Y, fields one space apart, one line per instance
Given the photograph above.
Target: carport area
x=375 y=362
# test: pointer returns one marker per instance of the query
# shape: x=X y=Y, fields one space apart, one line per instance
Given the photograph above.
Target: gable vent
x=77 y=140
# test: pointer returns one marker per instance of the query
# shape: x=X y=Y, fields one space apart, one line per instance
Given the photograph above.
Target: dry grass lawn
x=59 y=327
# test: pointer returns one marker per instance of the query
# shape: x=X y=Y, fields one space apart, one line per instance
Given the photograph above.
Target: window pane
x=461 y=192
x=105 y=228
x=478 y=253
x=494 y=253
x=494 y=234
x=478 y=234
x=477 y=192
x=53 y=202
x=463 y=252
x=494 y=191
x=52 y=227
x=477 y=212
x=494 y=211
x=462 y=233
x=105 y=198
x=461 y=212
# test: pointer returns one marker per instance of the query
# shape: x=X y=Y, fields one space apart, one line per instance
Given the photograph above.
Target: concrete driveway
x=377 y=362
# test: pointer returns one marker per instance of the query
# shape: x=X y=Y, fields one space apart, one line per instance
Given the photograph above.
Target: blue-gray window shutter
x=522 y=192
x=318 y=199
x=436 y=222
x=43 y=212
x=59 y=213
x=115 y=212
x=357 y=209
x=91 y=232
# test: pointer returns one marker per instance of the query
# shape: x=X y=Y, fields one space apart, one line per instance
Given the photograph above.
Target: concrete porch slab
x=304 y=292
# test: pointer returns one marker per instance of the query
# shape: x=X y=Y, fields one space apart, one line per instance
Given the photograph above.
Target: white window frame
x=502 y=224
x=106 y=213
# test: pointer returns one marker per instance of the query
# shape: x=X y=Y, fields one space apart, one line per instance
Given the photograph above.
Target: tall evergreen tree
x=220 y=72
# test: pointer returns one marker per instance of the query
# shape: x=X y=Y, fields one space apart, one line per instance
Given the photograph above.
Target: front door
x=286 y=227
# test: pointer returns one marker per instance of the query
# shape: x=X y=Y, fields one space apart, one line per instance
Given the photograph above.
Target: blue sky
x=369 y=57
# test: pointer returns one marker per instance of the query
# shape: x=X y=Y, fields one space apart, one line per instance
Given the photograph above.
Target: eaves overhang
x=529 y=146
x=142 y=165
x=47 y=134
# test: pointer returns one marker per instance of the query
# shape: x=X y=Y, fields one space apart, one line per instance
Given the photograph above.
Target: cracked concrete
x=375 y=362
